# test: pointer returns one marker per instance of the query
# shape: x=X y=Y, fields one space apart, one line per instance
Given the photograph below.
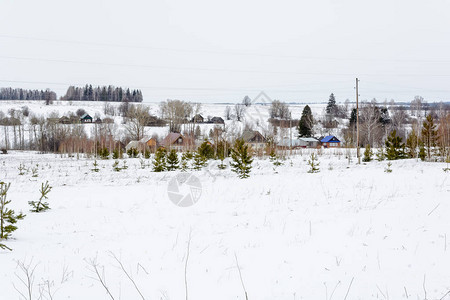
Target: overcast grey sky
x=216 y=51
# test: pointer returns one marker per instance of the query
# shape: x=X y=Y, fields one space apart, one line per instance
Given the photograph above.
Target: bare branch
x=240 y=276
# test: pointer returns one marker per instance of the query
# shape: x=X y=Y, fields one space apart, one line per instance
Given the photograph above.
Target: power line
x=216 y=52
x=217 y=69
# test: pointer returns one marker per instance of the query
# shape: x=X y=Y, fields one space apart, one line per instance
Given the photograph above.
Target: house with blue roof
x=330 y=141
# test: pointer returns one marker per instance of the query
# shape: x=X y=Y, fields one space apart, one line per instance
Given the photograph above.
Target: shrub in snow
x=38 y=206
x=8 y=218
x=242 y=160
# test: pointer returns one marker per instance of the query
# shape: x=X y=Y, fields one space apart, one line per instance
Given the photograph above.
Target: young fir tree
x=159 y=162
x=306 y=123
x=313 y=164
x=172 y=160
x=429 y=135
x=367 y=154
x=8 y=218
x=411 y=144
x=186 y=157
x=395 y=149
x=38 y=206
x=200 y=161
x=242 y=160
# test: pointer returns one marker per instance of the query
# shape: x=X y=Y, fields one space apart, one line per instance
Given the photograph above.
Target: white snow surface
x=348 y=232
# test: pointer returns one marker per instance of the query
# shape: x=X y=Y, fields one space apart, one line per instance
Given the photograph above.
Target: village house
x=86 y=118
x=149 y=143
x=330 y=141
x=255 y=139
x=217 y=120
x=174 y=140
x=198 y=119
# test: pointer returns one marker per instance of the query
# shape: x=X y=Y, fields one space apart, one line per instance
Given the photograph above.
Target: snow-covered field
x=349 y=232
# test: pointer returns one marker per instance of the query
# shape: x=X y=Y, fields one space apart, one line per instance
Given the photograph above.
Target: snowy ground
x=348 y=232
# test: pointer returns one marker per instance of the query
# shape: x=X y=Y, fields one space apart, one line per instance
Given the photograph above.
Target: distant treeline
x=22 y=94
x=104 y=93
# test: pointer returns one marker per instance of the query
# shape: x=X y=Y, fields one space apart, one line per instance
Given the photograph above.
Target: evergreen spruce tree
x=242 y=160
x=159 y=162
x=8 y=218
x=313 y=163
x=395 y=149
x=331 y=106
x=411 y=144
x=367 y=154
x=172 y=160
x=38 y=206
x=305 y=124
x=429 y=135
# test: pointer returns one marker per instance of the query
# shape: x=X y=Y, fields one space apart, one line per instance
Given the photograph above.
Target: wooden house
x=86 y=118
x=174 y=140
x=330 y=141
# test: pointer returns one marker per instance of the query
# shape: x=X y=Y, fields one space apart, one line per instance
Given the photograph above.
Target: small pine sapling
x=38 y=206
x=159 y=162
x=186 y=157
x=388 y=168
x=8 y=218
x=21 y=169
x=95 y=164
x=367 y=154
x=313 y=164
x=116 y=154
x=34 y=171
x=242 y=160
x=380 y=154
x=146 y=154
x=172 y=160
x=422 y=152
x=200 y=161
x=116 y=166
x=132 y=153
x=275 y=158
x=124 y=167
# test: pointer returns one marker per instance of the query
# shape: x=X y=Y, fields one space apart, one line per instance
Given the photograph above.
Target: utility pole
x=357 y=124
